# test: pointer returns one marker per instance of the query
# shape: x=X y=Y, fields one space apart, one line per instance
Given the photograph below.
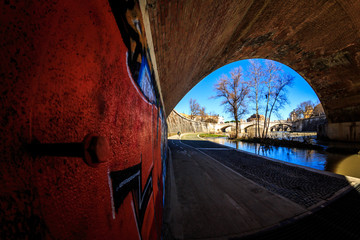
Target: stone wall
x=177 y=122
x=308 y=124
x=349 y=131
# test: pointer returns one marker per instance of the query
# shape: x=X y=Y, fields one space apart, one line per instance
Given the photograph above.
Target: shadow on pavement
x=338 y=220
x=335 y=212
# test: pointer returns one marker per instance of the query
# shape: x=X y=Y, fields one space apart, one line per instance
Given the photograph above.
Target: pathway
x=216 y=192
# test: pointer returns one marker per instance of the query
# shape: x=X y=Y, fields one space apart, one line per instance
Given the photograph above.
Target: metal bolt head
x=96 y=150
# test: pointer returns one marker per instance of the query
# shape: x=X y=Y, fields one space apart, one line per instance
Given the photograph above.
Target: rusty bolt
x=93 y=149
x=96 y=150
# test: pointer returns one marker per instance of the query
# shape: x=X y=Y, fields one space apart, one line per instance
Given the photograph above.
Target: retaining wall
x=308 y=124
x=177 y=122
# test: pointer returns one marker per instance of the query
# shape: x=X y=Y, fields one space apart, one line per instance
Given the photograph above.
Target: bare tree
x=278 y=96
x=234 y=92
x=194 y=108
x=304 y=109
x=255 y=77
x=202 y=113
x=270 y=80
x=214 y=116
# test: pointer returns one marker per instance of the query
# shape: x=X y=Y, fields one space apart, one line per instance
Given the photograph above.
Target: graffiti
x=145 y=83
x=128 y=181
x=128 y=18
x=112 y=92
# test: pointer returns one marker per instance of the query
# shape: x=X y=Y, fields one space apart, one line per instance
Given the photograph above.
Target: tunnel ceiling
x=318 y=39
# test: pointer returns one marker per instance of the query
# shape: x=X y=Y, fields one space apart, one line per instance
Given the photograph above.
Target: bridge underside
x=75 y=72
x=318 y=39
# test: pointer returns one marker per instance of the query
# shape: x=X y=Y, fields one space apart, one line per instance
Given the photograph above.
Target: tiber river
x=343 y=164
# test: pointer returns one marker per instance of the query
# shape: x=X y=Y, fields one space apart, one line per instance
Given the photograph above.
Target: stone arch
x=246 y=129
x=223 y=129
x=323 y=46
x=252 y=127
x=281 y=127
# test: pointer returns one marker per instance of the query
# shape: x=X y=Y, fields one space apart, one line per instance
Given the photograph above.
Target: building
x=221 y=120
x=254 y=118
x=308 y=111
x=293 y=116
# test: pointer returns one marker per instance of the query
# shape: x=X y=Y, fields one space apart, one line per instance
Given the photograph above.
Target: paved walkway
x=216 y=192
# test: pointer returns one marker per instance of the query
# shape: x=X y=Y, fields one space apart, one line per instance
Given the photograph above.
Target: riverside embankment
x=332 y=161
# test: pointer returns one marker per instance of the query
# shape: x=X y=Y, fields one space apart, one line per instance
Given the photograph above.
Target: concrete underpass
x=86 y=90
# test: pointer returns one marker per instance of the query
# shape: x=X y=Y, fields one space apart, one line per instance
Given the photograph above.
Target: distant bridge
x=280 y=125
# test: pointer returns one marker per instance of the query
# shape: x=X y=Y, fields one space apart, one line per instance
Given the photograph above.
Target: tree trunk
x=268 y=124
x=236 y=127
x=266 y=112
x=257 y=126
x=271 y=109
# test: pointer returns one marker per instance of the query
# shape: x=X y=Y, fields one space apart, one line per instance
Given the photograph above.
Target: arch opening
x=329 y=62
x=301 y=92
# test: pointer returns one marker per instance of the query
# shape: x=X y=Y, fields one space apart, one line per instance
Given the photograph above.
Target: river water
x=343 y=164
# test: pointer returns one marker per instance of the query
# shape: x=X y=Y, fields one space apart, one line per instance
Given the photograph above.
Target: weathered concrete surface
x=348 y=131
x=308 y=124
x=177 y=123
x=320 y=39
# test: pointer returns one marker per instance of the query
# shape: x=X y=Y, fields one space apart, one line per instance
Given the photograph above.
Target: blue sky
x=299 y=92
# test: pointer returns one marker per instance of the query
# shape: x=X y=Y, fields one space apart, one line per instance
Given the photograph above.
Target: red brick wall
x=65 y=74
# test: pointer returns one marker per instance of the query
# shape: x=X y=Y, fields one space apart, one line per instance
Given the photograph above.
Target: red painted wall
x=65 y=74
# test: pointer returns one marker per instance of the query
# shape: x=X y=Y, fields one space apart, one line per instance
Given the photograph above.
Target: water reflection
x=321 y=160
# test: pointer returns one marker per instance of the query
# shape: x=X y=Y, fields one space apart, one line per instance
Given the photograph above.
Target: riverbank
x=208 y=135
x=336 y=162
x=304 y=141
